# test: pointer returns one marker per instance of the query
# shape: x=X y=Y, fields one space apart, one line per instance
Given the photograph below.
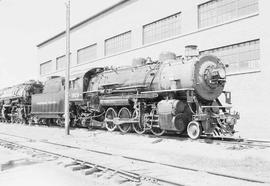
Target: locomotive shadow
x=17 y=163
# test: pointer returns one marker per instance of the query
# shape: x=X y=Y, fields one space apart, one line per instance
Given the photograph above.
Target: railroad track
x=81 y=164
x=137 y=174
x=88 y=167
x=225 y=140
x=203 y=139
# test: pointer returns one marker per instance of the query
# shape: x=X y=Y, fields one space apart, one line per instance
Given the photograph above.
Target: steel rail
x=135 y=177
x=145 y=161
x=130 y=176
x=203 y=139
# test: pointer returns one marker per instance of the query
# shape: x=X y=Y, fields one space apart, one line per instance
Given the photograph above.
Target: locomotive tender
x=179 y=95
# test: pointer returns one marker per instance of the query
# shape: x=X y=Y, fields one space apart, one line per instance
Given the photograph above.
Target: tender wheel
x=124 y=114
x=42 y=122
x=139 y=127
x=73 y=123
x=155 y=128
x=23 y=121
x=15 y=120
x=194 y=130
x=109 y=116
x=18 y=120
x=60 y=122
x=33 y=120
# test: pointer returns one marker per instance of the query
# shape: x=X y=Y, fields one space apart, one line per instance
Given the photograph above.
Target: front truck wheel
x=194 y=130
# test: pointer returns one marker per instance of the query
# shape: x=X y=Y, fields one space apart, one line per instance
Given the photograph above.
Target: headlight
x=222 y=73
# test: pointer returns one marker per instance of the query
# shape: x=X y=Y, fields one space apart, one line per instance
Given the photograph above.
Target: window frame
x=113 y=37
x=83 y=48
x=199 y=20
x=40 y=69
x=214 y=51
x=156 y=21
x=56 y=64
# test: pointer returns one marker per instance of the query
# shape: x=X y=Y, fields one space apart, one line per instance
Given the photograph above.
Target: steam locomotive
x=15 y=101
x=171 y=94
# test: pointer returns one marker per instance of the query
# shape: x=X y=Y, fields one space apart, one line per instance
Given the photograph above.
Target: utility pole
x=67 y=68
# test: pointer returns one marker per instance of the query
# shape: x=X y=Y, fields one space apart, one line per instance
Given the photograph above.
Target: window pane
x=243 y=57
x=162 y=29
x=219 y=11
x=118 y=43
x=87 y=53
x=45 y=68
x=60 y=63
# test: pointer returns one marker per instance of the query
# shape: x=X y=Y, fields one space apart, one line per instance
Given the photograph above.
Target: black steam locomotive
x=171 y=94
x=15 y=101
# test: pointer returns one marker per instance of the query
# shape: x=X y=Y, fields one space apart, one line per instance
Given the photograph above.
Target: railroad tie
x=71 y=164
x=90 y=171
x=79 y=167
x=6 y=165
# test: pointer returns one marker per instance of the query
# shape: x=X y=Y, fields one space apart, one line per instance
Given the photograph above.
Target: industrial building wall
x=117 y=37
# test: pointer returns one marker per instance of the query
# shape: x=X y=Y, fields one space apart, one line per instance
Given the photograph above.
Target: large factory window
x=219 y=11
x=87 y=53
x=45 y=68
x=162 y=29
x=61 y=62
x=241 y=58
x=118 y=43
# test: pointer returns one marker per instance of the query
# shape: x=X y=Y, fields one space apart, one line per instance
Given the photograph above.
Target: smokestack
x=191 y=51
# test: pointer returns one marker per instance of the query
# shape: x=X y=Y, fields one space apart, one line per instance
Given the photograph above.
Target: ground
x=29 y=172
x=22 y=170
x=236 y=160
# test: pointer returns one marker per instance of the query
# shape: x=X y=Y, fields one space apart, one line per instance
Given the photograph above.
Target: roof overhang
x=95 y=16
